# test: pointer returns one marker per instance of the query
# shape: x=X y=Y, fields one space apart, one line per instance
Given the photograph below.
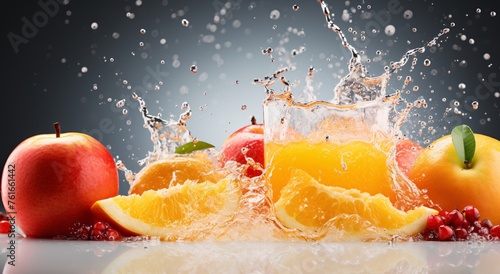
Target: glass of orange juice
x=350 y=146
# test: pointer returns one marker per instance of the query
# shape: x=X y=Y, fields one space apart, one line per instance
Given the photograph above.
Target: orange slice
x=175 y=170
x=168 y=213
x=309 y=206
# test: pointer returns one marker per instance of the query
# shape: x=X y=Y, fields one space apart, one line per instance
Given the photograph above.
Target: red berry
x=445 y=233
x=471 y=214
x=495 y=231
x=112 y=235
x=3 y=217
x=455 y=218
x=475 y=227
x=461 y=233
x=4 y=227
x=99 y=226
x=84 y=236
x=483 y=231
x=434 y=221
x=486 y=223
x=96 y=234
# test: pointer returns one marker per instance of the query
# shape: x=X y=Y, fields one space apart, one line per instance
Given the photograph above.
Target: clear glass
x=349 y=146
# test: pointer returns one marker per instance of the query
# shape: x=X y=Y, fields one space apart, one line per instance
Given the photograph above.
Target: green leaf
x=192 y=146
x=465 y=143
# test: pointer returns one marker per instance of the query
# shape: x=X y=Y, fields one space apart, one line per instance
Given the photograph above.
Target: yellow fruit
x=169 y=212
x=450 y=185
x=308 y=206
x=175 y=170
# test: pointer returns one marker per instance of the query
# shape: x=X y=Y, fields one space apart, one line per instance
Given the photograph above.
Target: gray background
x=43 y=82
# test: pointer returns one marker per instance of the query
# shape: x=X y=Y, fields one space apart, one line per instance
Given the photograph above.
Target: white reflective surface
x=59 y=256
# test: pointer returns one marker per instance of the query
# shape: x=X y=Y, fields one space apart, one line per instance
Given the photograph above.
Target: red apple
x=250 y=137
x=406 y=154
x=50 y=181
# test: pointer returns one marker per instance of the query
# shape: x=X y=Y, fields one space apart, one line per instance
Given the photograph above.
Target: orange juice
x=356 y=164
x=349 y=146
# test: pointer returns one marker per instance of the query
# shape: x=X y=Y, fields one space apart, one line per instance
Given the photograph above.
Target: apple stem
x=253 y=120
x=467 y=164
x=57 y=128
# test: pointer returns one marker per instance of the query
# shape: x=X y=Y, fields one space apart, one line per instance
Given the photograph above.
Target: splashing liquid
x=361 y=110
x=356 y=92
x=166 y=136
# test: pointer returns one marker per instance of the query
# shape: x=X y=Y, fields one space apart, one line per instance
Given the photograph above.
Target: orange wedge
x=175 y=170
x=308 y=206
x=167 y=213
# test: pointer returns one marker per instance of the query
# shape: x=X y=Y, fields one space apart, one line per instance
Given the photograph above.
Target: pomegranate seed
x=476 y=226
x=96 y=234
x=434 y=221
x=461 y=233
x=471 y=214
x=99 y=226
x=3 y=217
x=4 y=227
x=483 y=231
x=112 y=235
x=445 y=233
x=486 y=223
x=495 y=231
x=455 y=218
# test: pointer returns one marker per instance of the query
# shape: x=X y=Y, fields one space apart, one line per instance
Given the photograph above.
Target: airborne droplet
x=390 y=30
x=194 y=69
x=185 y=23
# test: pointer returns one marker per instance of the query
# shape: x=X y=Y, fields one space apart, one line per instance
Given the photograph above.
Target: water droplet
x=295 y=7
x=408 y=14
x=275 y=14
x=243 y=107
x=185 y=23
x=427 y=62
x=475 y=105
x=486 y=56
x=462 y=86
x=84 y=69
x=493 y=14
x=120 y=103
x=194 y=69
x=142 y=31
x=390 y=30
x=124 y=111
x=478 y=10
x=94 y=26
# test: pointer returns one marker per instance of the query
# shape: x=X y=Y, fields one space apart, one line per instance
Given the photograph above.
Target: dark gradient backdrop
x=58 y=67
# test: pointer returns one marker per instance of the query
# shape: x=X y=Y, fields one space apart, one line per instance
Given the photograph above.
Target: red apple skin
x=407 y=152
x=251 y=137
x=56 y=181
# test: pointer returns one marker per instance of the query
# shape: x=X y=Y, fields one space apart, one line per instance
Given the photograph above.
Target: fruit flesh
x=357 y=164
x=173 y=211
x=175 y=170
x=308 y=205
